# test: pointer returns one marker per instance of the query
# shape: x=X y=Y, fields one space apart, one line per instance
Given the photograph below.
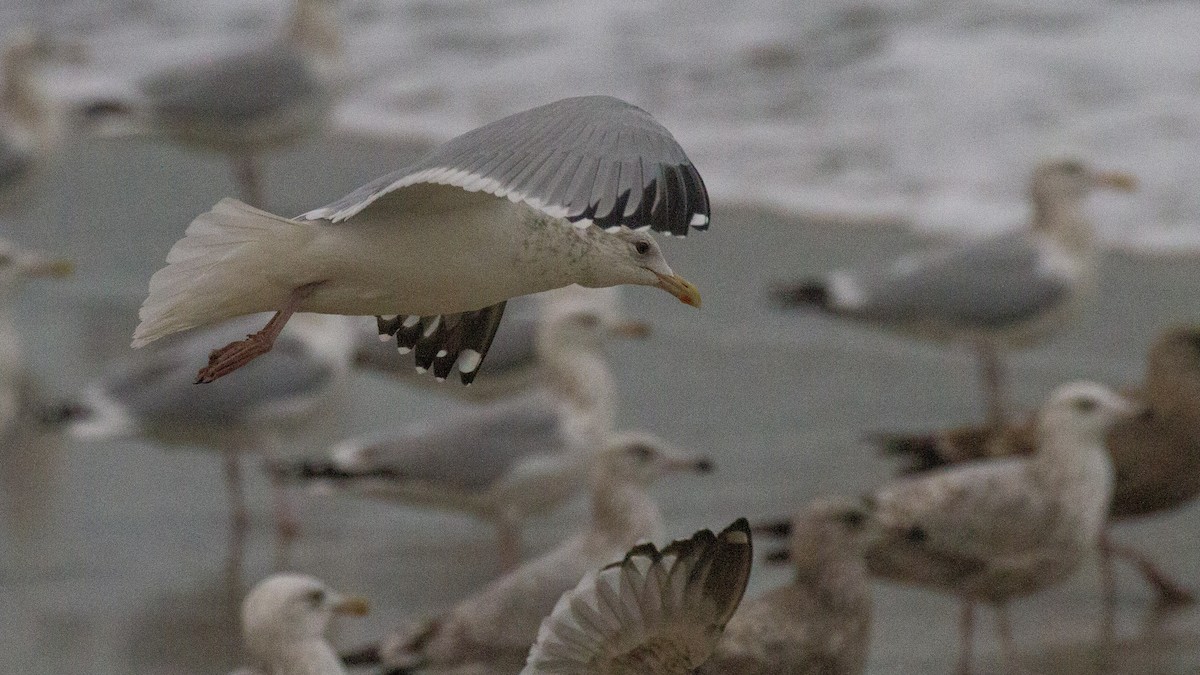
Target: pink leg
x=248 y=174
x=1170 y=591
x=237 y=354
x=1008 y=651
x=991 y=371
x=239 y=514
x=966 y=631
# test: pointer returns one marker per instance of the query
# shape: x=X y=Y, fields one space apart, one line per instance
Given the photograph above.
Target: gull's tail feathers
x=653 y=612
x=233 y=260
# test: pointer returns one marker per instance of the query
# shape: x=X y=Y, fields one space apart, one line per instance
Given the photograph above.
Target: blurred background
x=828 y=132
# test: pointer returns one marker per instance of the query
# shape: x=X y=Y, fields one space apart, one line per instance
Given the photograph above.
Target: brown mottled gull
x=1156 y=457
x=493 y=630
x=504 y=461
x=656 y=612
x=821 y=621
x=1005 y=291
x=284 y=619
x=996 y=530
x=545 y=198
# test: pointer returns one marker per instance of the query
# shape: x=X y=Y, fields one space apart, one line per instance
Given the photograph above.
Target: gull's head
x=1066 y=180
x=634 y=257
x=642 y=458
x=1086 y=410
x=18 y=265
x=827 y=526
x=285 y=609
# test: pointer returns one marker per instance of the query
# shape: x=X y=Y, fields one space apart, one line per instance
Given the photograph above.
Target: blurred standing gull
x=997 y=530
x=513 y=364
x=538 y=200
x=1011 y=290
x=28 y=130
x=493 y=630
x=284 y=620
x=821 y=621
x=655 y=612
x=244 y=102
x=507 y=461
x=151 y=395
x=1156 y=457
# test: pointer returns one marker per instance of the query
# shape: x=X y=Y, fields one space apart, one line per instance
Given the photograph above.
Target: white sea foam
x=928 y=112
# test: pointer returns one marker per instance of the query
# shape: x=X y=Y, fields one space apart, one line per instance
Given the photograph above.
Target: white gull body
x=536 y=201
x=996 y=530
x=493 y=630
x=503 y=462
x=657 y=612
x=152 y=395
x=284 y=621
x=1006 y=291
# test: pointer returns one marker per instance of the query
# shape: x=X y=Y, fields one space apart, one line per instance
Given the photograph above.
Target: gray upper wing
x=474 y=450
x=587 y=158
x=233 y=89
x=157 y=387
x=984 y=285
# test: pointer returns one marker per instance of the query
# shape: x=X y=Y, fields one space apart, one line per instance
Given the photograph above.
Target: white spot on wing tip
x=384 y=337
x=469 y=360
x=404 y=350
x=440 y=379
x=411 y=321
x=422 y=371
x=441 y=353
x=698 y=219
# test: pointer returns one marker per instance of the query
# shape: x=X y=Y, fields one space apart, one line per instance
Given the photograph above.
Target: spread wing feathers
x=653 y=612
x=442 y=340
x=589 y=159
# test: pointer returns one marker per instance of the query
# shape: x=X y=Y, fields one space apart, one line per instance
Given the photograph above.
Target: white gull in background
x=658 y=612
x=513 y=364
x=284 y=621
x=151 y=395
x=29 y=128
x=1006 y=291
x=820 y=622
x=545 y=198
x=996 y=530
x=511 y=459
x=493 y=630
x=241 y=103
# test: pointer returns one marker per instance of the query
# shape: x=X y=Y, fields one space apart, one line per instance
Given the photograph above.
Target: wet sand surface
x=117 y=556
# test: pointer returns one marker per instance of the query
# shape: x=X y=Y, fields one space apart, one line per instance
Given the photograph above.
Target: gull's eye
x=1073 y=167
x=1085 y=405
x=642 y=247
x=641 y=452
x=5 y=260
x=588 y=320
x=316 y=597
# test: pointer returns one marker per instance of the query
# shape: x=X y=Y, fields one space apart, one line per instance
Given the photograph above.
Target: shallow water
x=126 y=569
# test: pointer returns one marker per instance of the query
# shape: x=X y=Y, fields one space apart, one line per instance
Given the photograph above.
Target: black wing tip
x=807 y=293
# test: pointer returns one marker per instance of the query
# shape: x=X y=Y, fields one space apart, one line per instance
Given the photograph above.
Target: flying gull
x=1005 y=291
x=995 y=530
x=658 y=612
x=493 y=630
x=819 y=622
x=150 y=395
x=244 y=102
x=504 y=461
x=284 y=620
x=552 y=196
x=1156 y=457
